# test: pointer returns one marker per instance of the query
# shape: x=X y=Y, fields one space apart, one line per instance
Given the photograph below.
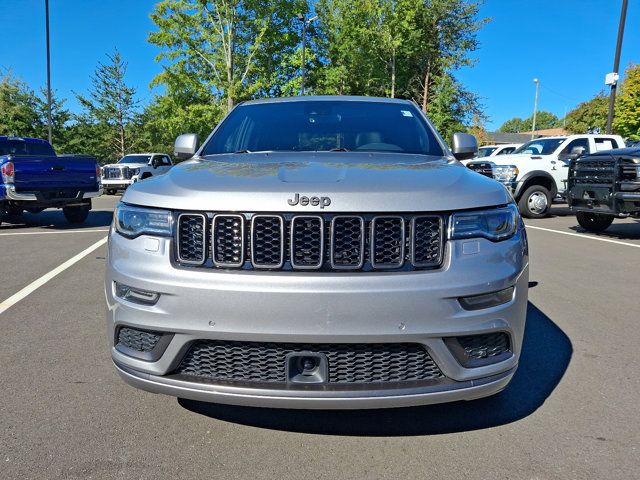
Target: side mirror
x=186 y=146
x=576 y=152
x=464 y=146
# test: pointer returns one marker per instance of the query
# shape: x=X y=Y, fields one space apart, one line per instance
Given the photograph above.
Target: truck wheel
x=76 y=214
x=14 y=211
x=535 y=202
x=111 y=191
x=594 y=222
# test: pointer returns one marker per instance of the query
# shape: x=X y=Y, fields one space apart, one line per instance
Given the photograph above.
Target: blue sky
x=567 y=44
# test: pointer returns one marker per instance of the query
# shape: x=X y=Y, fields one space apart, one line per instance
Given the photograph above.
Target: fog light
x=136 y=295
x=486 y=300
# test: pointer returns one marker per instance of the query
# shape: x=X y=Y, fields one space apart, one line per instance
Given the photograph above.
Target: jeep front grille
x=234 y=361
x=310 y=242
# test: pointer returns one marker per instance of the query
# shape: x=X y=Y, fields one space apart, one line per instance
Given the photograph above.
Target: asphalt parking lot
x=570 y=412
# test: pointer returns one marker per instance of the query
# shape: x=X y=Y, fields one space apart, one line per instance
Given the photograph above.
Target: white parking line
x=589 y=237
x=33 y=286
x=53 y=233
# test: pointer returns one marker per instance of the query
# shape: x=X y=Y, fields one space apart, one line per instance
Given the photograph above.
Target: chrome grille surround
x=307 y=242
x=267 y=241
x=311 y=242
x=223 y=247
x=192 y=239
x=432 y=256
x=345 y=245
x=387 y=242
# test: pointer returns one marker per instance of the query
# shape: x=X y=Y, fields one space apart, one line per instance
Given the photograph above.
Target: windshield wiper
x=340 y=149
x=242 y=151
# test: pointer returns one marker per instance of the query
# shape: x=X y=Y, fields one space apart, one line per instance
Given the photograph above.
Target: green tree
x=514 y=125
x=111 y=105
x=627 y=118
x=589 y=116
x=544 y=120
x=18 y=108
x=452 y=107
x=233 y=48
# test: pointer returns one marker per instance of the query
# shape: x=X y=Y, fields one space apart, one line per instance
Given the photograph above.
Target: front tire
x=76 y=215
x=14 y=211
x=594 y=222
x=535 y=202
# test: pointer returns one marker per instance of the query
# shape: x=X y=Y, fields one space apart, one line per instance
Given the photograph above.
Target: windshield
x=20 y=147
x=296 y=126
x=135 y=159
x=486 y=151
x=540 y=146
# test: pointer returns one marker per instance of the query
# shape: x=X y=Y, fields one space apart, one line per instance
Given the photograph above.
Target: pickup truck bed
x=35 y=178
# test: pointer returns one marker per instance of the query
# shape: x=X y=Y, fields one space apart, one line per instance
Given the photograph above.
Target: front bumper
x=417 y=307
x=117 y=184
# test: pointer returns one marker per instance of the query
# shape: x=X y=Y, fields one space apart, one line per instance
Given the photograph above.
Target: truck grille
x=593 y=172
x=234 y=361
x=116 y=173
x=483 y=168
x=310 y=242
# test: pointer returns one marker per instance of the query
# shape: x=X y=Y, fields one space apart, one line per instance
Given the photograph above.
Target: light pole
x=46 y=10
x=305 y=23
x=535 y=109
x=616 y=66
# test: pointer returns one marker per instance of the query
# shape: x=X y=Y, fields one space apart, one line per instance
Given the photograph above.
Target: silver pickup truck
x=318 y=252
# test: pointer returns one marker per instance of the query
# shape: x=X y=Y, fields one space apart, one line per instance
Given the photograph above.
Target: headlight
x=505 y=173
x=134 y=221
x=495 y=224
x=134 y=171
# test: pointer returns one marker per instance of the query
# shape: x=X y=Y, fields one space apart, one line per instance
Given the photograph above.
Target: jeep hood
x=354 y=182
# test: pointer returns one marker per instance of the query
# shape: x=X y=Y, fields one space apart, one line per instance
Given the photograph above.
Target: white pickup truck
x=537 y=171
x=132 y=168
x=495 y=150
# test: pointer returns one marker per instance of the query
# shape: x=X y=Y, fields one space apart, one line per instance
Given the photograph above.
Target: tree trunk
x=393 y=73
x=425 y=92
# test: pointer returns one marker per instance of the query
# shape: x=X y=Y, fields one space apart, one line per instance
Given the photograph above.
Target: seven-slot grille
x=310 y=242
x=234 y=361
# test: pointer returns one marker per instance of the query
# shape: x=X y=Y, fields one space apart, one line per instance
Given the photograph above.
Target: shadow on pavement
x=545 y=357
x=54 y=220
x=617 y=231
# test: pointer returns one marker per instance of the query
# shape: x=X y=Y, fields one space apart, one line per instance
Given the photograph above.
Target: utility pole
x=535 y=109
x=612 y=79
x=305 y=23
x=46 y=9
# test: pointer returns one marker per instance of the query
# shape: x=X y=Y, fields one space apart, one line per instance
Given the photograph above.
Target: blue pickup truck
x=35 y=178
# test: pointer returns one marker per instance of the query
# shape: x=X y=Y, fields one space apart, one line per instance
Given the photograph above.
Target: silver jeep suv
x=318 y=252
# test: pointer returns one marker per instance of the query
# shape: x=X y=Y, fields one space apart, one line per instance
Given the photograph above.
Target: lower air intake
x=231 y=361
